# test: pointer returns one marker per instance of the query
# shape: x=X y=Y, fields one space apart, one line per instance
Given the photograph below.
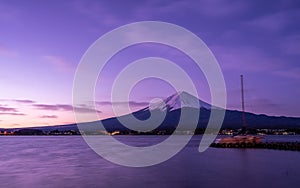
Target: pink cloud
x=59 y=63
x=289 y=73
x=15 y=125
x=5 y=51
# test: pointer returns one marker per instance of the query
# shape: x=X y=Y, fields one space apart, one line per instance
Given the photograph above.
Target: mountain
x=180 y=100
x=171 y=109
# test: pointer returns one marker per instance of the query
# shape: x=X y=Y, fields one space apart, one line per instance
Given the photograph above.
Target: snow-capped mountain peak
x=179 y=100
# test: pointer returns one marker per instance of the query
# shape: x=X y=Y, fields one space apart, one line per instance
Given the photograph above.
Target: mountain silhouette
x=168 y=113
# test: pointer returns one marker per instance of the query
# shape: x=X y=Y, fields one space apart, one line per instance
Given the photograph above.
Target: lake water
x=69 y=162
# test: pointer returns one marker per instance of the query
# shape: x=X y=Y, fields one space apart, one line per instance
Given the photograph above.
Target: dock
x=291 y=146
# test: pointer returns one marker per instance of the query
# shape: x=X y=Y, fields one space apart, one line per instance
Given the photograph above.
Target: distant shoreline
x=201 y=131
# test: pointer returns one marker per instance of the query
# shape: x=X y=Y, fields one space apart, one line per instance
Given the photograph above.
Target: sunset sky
x=42 y=42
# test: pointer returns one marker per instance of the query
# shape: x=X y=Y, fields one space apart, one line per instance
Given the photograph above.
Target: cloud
x=65 y=107
x=291 y=45
x=203 y=8
x=114 y=14
x=10 y=111
x=269 y=106
x=24 y=101
x=7 y=109
x=53 y=107
x=15 y=125
x=68 y=122
x=289 y=73
x=8 y=13
x=12 y=114
x=262 y=105
x=245 y=58
x=272 y=23
x=59 y=63
x=219 y=8
x=131 y=103
x=6 y=51
x=256 y=60
x=275 y=22
x=49 y=116
x=99 y=12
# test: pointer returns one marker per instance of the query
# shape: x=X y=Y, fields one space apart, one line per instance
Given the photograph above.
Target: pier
x=291 y=146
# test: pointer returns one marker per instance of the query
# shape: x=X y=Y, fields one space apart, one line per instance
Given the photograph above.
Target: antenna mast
x=243 y=105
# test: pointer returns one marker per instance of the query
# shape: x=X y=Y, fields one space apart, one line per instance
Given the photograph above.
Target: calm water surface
x=69 y=162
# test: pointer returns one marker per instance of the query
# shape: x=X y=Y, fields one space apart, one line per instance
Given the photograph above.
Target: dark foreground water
x=69 y=162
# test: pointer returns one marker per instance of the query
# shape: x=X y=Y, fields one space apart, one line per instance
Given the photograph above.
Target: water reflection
x=69 y=162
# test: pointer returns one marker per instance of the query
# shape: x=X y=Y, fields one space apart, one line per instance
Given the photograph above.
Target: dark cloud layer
x=131 y=103
x=7 y=109
x=10 y=111
x=64 y=107
x=12 y=114
x=49 y=116
x=24 y=101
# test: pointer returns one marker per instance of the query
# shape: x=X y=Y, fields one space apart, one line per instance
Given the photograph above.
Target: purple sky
x=42 y=43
